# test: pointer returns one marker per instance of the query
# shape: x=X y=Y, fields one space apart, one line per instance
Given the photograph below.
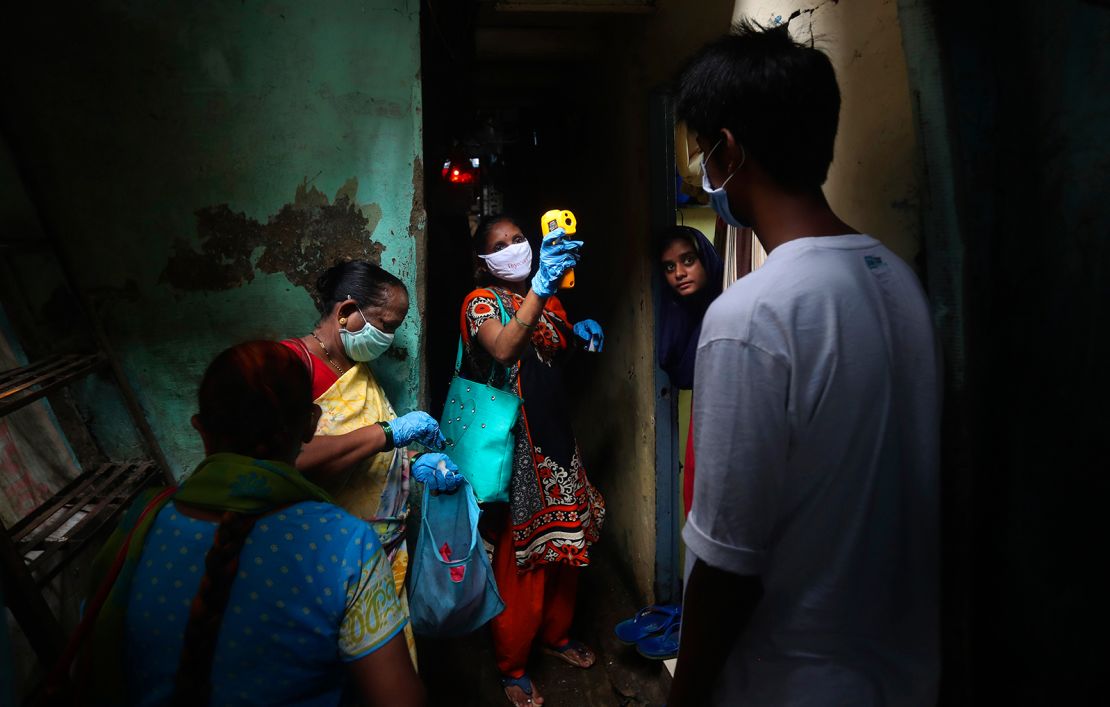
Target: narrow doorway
x=516 y=120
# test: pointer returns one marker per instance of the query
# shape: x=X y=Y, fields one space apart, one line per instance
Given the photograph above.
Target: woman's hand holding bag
x=437 y=472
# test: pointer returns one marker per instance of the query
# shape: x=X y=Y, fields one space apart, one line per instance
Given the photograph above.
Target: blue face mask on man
x=367 y=343
x=718 y=198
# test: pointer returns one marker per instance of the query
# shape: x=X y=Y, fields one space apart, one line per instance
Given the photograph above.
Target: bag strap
x=458 y=356
x=500 y=307
x=504 y=322
x=61 y=669
x=472 y=512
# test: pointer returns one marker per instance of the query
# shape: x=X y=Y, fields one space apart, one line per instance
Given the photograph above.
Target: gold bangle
x=526 y=326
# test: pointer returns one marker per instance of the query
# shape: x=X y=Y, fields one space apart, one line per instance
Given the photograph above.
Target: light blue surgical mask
x=367 y=343
x=718 y=198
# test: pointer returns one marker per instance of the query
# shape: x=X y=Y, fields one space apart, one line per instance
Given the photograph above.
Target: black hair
x=779 y=98
x=481 y=234
x=678 y=233
x=365 y=283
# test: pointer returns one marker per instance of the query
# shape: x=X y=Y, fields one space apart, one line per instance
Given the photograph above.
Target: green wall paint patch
x=202 y=162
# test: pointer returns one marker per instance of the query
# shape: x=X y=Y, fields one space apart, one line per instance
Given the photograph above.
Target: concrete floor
x=462 y=672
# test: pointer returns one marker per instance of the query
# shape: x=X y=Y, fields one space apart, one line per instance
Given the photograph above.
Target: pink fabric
x=457 y=573
x=688 y=468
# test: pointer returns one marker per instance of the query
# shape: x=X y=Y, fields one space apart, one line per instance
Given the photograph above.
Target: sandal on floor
x=579 y=647
x=662 y=647
x=524 y=682
x=650 y=620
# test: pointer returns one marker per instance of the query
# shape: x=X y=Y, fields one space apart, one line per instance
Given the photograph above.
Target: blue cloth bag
x=455 y=596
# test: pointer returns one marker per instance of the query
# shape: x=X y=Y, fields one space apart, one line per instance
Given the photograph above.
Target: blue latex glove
x=437 y=471
x=557 y=255
x=590 y=331
x=417 y=427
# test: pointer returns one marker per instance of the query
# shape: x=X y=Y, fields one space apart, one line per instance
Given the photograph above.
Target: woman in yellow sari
x=359 y=452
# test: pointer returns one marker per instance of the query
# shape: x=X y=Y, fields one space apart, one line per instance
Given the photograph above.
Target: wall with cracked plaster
x=203 y=161
x=875 y=176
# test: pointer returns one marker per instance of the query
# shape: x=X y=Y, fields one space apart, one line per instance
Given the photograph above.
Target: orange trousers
x=539 y=603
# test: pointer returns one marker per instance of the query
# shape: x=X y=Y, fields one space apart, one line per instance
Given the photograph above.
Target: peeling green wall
x=203 y=161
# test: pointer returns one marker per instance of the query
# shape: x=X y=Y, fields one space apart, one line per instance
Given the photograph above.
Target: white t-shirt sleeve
x=741 y=438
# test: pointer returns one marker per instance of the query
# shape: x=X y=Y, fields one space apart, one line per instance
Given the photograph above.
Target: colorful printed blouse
x=552 y=336
x=314 y=590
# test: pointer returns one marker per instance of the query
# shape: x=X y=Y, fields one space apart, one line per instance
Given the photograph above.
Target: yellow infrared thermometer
x=560 y=218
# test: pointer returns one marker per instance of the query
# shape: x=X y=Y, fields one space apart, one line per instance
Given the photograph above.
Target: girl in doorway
x=694 y=274
x=554 y=514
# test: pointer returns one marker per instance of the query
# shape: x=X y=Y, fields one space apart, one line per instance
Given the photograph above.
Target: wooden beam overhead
x=535 y=43
x=633 y=7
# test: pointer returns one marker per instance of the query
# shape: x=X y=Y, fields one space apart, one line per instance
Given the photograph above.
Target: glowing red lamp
x=460 y=173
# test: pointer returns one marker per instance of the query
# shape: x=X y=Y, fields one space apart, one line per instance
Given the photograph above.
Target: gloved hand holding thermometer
x=560 y=220
x=557 y=256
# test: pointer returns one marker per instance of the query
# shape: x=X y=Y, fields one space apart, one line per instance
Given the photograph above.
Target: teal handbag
x=478 y=422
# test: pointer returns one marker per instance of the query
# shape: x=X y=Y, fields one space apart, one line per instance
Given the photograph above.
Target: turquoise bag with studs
x=478 y=422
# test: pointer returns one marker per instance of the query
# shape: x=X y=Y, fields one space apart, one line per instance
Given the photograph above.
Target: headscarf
x=680 y=317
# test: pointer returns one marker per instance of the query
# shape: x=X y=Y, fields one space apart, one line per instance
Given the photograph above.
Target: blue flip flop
x=650 y=620
x=560 y=652
x=663 y=646
x=524 y=682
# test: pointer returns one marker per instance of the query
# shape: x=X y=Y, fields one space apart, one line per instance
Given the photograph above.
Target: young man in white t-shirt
x=816 y=400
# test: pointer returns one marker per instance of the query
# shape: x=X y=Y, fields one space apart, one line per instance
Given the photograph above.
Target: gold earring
x=342 y=321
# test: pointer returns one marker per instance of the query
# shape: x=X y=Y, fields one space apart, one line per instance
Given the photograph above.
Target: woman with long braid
x=249 y=585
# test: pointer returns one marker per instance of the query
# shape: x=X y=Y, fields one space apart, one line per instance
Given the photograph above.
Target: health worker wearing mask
x=516 y=333
x=359 y=454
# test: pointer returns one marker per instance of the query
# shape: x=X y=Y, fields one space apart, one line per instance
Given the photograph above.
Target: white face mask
x=512 y=264
x=718 y=198
x=367 y=343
